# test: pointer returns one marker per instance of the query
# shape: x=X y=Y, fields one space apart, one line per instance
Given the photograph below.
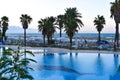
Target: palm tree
x=72 y=22
x=115 y=12
x=0 y=30
x=25 y=20
x=4 y=22
x=42 y=26
x=47 y=26
x=99 y=22
x=50 y=28
x=60 y=21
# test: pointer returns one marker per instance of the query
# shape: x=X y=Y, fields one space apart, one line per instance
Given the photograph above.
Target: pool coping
x=62 y=50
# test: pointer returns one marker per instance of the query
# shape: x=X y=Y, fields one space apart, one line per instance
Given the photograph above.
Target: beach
x=80 y=41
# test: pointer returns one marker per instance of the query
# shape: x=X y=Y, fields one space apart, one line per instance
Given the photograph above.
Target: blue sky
x=43 y=8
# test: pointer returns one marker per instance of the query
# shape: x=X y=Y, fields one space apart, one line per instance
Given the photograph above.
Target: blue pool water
x=75 y=66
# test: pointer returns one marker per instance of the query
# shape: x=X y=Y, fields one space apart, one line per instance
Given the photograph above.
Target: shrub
x=13 y=66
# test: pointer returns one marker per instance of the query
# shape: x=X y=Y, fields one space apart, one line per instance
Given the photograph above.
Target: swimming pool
x=75 y=66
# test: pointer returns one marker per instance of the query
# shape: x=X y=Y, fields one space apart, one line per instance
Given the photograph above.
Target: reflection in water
x=63 y=63
x=66 y=61
x=76 y=54
x=71 y=61
x=116 y=61
x=49 y=56
x=116 y=76
x=2 y=49
x=99 y=65
x=70 y=53
x=62 y=53
x=75 y=66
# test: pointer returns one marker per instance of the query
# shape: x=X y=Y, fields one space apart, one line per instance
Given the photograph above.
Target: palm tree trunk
x=60 y=34
x=25 y=37
x=70 y=42
x=3 y=35
x=99 y=37
x=48 y=38
x=51 y=38
x=25 y=41
x=44 y=39
x=117 y=34
x=116 y=41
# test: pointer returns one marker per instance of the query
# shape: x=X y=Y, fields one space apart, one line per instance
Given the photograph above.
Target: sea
x=56 y=35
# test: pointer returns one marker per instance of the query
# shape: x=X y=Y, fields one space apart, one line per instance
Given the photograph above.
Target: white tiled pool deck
x=59 y=50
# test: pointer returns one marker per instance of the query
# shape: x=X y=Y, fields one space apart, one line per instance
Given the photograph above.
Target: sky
x=38 y=9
